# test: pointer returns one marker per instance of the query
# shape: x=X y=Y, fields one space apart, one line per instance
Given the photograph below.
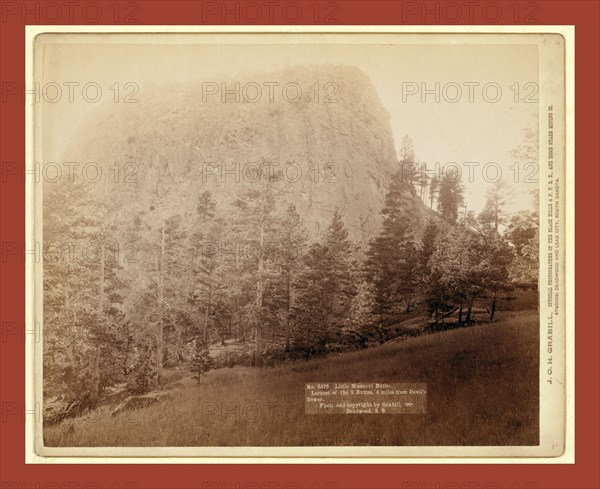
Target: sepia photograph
x=334 y=244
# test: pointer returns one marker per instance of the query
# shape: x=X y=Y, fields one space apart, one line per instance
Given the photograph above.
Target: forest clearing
x=482 y=383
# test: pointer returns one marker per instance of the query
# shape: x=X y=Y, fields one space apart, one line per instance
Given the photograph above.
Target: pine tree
x=68 y=291
x=433 y=191
x=143 y=372
x=111 y=332
x=201 y=362
x=339 y=287
x=528 y=150
x=291 y=242
x=221 y=319
x=450 y=266
x=361 y=322
x=390 y=263
x=256 y=223
x=523 y=233
x=423 y=183
x=84 y=285
x=205 y=236
x=450 y=197
x=324 y=288
x=428 y=244
x=205 y=207
x=527 y=261
x=425 y=252
x=310 y=307
x=496 y=259
x=408 y=166
x=494 y=214
x=465 y=264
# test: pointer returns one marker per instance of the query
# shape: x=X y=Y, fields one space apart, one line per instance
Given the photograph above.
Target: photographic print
x=295 y=244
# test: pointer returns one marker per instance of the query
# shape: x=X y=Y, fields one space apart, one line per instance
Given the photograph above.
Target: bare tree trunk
x=493 y=309
x=496 y=214
x=159 y=332
x=101 y=292
x=70 y=340
x=95 y=394
x=287 y=316
x=207 y=311
x=198 y=354
x=259 y=283
x=258 y=350
x=468 y=318
x=95 y=380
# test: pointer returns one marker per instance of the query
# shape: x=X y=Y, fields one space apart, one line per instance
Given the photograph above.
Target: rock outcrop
x=138 y=402
x=320 y=132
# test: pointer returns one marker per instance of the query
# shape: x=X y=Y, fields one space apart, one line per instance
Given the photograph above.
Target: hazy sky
x=477 y=131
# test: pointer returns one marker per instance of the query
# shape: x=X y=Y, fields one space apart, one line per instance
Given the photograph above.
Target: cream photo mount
x=557 y=399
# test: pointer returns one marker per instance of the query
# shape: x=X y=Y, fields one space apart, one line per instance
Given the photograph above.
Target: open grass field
x=482 y=390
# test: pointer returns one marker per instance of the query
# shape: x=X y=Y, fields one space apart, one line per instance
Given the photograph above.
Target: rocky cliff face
x=319 y=132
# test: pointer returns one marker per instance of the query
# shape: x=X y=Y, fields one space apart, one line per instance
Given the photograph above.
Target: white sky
x=442 y=132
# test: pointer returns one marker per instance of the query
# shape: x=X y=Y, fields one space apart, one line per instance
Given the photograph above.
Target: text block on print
x=365 y=398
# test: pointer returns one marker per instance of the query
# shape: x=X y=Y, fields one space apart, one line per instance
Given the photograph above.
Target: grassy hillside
x=482 y=390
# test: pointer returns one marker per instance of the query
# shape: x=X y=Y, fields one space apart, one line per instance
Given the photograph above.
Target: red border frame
x=585 y=474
